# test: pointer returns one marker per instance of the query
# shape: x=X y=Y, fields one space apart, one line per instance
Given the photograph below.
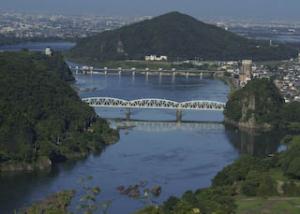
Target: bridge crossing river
x=152 y=103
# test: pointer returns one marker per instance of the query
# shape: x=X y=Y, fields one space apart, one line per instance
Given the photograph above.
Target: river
x=38 y=46
x=153 y=148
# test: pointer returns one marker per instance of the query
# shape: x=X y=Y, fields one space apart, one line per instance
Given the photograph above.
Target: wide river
x=178 y=157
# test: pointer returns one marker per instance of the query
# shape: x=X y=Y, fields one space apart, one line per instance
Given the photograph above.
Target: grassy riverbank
x=274 y=205
x=142 y=64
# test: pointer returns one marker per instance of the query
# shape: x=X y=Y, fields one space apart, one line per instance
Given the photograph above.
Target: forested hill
x=178 y=36
x=41 y=116
x=259 y=105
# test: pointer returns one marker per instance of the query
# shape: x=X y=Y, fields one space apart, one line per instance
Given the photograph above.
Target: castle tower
x=246 y=72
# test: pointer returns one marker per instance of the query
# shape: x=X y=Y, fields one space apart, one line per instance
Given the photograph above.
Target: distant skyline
x=246 y=9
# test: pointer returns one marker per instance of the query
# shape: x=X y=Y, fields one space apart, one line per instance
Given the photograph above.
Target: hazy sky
x=259 y=9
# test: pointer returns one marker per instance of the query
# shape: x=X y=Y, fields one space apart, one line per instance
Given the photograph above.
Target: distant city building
x=245 y=72
x=48 y=52
x=156 y=58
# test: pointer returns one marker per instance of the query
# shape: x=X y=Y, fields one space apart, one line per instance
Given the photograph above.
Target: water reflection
x=251 y=143
x=164 y=126
x=258 y=144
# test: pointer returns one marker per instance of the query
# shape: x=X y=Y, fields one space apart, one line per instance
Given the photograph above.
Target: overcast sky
x=257 y=9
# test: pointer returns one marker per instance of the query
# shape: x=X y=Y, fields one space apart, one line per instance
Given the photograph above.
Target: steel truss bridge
x=200 y=105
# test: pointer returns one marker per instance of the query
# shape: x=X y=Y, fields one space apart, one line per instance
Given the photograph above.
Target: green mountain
x=178 y=36
x=42 y=119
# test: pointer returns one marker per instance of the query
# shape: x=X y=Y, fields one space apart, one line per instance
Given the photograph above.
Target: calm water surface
x=176 y=156
x=38 y=46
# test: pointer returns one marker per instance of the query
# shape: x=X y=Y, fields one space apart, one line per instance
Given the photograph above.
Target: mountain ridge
x=178 y=36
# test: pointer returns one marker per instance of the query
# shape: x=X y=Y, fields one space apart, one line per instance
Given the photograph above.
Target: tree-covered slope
x=40 y=114
x=259 y=105
x=177 y=36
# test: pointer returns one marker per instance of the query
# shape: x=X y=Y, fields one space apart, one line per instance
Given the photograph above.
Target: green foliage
x=290 y=116
x=267 y=186
x=290 y=160
x=239 y=170
x=40 y=114
x=150 y=210
x=291 y=189
x=211 y=200
x=258 y=184
x=56 y=204
x=193 y=39
x=250 y=185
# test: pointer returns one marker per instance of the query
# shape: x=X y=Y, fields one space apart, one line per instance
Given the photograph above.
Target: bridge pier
x=147 y=76
x=178 y=115
x=160 y=77
x=173 y=77
x=128 y=113
x=187 y=75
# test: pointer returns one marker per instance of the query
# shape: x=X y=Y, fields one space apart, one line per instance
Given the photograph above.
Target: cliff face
x=257 y=106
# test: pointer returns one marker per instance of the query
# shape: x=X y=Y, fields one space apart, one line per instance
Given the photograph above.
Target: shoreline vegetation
x=42 y=119
x=250 y=184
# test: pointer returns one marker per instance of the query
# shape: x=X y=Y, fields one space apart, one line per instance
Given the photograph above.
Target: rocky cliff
x=256 y=106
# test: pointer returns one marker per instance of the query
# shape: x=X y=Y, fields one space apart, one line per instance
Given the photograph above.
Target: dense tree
x=40 y=114
x=260 y=104
x=290 y=160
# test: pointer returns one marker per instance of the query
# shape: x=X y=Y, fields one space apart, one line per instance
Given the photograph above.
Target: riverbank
x=249 y=185
x=230 y=81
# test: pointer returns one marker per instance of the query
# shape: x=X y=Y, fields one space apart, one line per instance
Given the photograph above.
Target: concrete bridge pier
x=160 y=77
x=187 y=75
x=201 y=75
x=120 y=72
x=173 y=77
x=105 y=72
x=147 y=76
x=178 y=115
x=128 y=114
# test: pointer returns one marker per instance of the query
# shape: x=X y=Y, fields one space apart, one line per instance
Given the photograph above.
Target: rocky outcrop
x=254 y=107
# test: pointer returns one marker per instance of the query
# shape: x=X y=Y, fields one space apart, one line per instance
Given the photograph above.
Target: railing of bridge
x=154 y=104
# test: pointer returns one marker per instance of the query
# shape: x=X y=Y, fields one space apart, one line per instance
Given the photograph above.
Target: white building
x=156 y=58
x=48 y=52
